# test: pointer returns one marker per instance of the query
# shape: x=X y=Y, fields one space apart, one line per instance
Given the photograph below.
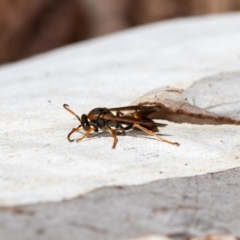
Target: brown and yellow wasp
x=104 y=119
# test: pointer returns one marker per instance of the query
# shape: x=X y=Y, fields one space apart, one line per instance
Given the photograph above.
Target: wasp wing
x=134 y=108
x=128 y=119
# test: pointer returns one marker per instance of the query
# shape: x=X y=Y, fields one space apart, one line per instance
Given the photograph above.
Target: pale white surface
x=151 y=237
x=38 y=164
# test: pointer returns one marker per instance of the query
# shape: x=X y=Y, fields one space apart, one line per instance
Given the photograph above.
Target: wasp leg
x=118 y=113
x=153 y=134
x=113 y=132
x=85 y=134
x=73 y=130
x=121 y=129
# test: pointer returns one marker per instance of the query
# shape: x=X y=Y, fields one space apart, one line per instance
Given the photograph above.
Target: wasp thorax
x=96 y=117
x=96 y=113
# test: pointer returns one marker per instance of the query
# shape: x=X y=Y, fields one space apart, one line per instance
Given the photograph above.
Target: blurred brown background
x=28 y=27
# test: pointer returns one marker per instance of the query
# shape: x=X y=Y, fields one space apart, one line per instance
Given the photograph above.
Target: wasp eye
x=85 y=122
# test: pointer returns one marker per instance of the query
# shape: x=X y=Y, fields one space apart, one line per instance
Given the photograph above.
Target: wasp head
x=85 y=122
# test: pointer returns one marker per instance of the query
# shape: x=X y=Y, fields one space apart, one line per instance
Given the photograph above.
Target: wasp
x=107 y=121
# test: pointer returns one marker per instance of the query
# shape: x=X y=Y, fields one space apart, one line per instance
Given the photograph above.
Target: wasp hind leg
x=153 y=134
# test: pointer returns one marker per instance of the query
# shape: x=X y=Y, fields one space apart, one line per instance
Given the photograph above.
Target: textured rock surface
x=180 y=208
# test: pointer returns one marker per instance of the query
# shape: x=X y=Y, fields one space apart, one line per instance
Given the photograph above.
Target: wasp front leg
x=85 y=134
x=73 y=130
x=92 y=128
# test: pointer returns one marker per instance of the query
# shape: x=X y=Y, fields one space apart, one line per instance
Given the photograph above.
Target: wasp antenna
x=69 y=110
